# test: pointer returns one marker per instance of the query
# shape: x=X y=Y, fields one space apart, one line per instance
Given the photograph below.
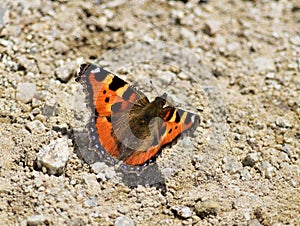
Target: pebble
x=231 y=165
x=283 y=156
x=124 y=221
x=25 y=63
x=245 y=174
x=103 y=171
x=211 y=27
x=25 y=92
x=286 y=148
x=182 y=75
x=166 y=76
x=182 y=211
x=66 y=71
x=295 y=40
x=5 y=186
x=4 y=12
x=35 y=127
x=233 y=47
x=168 y=172
x=250 y=159
x=54 y=156
x=5 y=42
x=60 y=46
x=36 y=220
x=283 y=123
x=91 y=202
x=264 y=64
x=49 y=109
x=91 y=181
x=267 y=169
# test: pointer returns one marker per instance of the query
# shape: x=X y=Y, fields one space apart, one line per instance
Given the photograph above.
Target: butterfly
x=125 y=123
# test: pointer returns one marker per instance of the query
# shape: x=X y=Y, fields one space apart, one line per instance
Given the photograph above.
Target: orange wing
x=105 y=91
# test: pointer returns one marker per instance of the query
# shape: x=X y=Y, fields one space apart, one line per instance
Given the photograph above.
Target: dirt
x=235 y=63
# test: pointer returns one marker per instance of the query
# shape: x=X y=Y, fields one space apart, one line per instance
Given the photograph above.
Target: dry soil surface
x=235 y=63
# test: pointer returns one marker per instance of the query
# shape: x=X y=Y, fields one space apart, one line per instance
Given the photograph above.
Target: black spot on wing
x=106 y=100
x=108 y=118
x=116 y=83
x=177 y=118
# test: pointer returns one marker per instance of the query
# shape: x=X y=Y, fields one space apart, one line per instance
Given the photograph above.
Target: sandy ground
x=235 y=63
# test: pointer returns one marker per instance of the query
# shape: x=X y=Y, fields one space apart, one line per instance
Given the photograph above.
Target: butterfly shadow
x=147 y=175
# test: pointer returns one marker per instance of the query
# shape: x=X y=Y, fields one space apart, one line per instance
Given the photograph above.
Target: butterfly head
x=161 y=100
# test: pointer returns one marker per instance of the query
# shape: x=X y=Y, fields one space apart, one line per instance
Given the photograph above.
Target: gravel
x=235 y=63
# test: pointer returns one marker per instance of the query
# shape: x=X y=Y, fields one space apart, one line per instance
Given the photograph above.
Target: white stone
x=54 y=156
x=25 y=92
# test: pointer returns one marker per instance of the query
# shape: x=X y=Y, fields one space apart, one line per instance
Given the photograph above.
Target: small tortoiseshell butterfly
x=125 y=123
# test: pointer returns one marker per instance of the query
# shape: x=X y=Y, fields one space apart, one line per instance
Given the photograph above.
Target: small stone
x=5 y=186
x=124 y=221
x=4 y=42
x=267 y=169
x=4 y=12
x=231 y=165
x=54 y=156
x=250 y=160
x=98 y=167
x=101 y=21
x=183 y=76
x=168 y=172
x=109 y=13
x=49 y=108
x=36 y=102
x=182 y=211
x=65 y=72
x=211 y=27
x=110 y=173
x=35 y=127
x=245 y=174
x=36 y=220
x=287 y=149
x=283 y=123
x=264 y=64
x=283 y=156
x=103 y=171
x=206 y=209
x=25 y=92
x=91 y=181
x=233 y=47
x=166 y=76
x=295 y=40
x=25 y=63
x=91 y=202
x=270 y=75
x=130 y=35
x=60 y=47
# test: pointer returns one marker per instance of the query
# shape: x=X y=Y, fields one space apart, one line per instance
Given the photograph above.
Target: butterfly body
x=127 y=125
